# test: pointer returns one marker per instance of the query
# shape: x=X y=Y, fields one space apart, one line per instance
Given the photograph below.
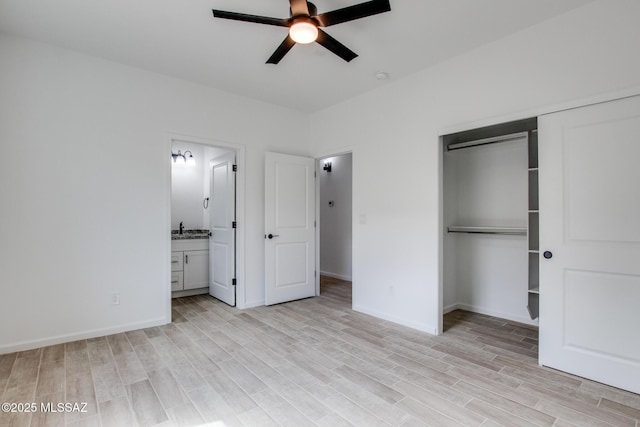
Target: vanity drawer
x=177 y=281
x=177 y=259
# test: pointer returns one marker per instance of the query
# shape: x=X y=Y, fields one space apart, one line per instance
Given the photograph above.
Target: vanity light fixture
x=191 y=161
x=181 y=158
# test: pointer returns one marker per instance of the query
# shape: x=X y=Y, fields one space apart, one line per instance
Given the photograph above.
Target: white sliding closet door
x=590 y=229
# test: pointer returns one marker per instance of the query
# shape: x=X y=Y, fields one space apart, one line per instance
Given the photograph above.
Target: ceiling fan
x=304 y=23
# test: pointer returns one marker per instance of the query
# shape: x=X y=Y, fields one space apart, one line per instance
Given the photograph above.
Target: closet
x=490 y=218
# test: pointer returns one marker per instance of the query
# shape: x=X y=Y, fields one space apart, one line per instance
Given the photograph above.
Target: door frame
x=240 y=151
x=318 y=159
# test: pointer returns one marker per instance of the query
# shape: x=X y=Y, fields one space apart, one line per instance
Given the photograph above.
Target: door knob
x=271 y=236
x=547 y=254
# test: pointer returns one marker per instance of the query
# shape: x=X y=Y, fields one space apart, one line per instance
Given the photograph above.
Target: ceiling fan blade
x=354 y=12
x=281 y=51
x=335 y=46
x=250 y=18
x=299 y=7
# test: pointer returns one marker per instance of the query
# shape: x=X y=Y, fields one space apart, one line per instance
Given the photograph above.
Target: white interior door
x=289 y=228
x=222 y=242
x=590 y=226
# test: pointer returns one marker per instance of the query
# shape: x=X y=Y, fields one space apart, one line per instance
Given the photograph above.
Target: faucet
x=181 y=227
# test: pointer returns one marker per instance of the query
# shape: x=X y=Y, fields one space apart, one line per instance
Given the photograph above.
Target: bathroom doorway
x=207 y=180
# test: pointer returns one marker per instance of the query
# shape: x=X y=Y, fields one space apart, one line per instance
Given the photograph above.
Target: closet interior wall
x=486 y=212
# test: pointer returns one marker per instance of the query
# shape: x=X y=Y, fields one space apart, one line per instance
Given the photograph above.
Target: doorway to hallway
x=335 y=219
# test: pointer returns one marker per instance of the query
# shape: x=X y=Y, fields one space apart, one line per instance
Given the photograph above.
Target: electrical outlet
x=115 y=298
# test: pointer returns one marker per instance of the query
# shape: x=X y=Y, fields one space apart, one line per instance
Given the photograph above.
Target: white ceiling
x=181 y=38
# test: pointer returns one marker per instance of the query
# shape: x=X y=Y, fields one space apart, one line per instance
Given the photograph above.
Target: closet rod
x=485 y=141
x=513 y=231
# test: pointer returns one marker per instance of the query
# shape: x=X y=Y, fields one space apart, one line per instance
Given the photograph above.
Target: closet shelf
x=516 y=231
x=485 y=141
x=534 y=291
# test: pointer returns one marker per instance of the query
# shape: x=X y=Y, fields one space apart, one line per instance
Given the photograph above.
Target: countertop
x=189 y=234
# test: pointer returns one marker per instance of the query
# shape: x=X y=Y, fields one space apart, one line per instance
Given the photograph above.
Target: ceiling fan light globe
x=303 y=32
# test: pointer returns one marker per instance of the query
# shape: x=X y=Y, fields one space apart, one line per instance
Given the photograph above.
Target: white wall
x=336 y=220
x=88 y=213
x=187 y=188
x=397 y=259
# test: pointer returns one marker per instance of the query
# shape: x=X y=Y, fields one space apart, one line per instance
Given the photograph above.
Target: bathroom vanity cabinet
x=189 y=266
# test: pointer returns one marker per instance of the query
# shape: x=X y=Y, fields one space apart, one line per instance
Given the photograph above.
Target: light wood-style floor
x=309 y=362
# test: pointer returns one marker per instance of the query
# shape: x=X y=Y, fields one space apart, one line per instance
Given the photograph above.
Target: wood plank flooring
x=306 y=363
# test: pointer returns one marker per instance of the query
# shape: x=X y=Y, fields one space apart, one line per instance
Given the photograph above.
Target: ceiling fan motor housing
x=313 y=10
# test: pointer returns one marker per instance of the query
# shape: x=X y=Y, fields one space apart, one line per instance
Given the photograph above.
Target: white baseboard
x=60 y=339
x=335 y=275
x=255 y=303
x=423 y=327
x=450 y=308
x=494 y=313
x=190 y=292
